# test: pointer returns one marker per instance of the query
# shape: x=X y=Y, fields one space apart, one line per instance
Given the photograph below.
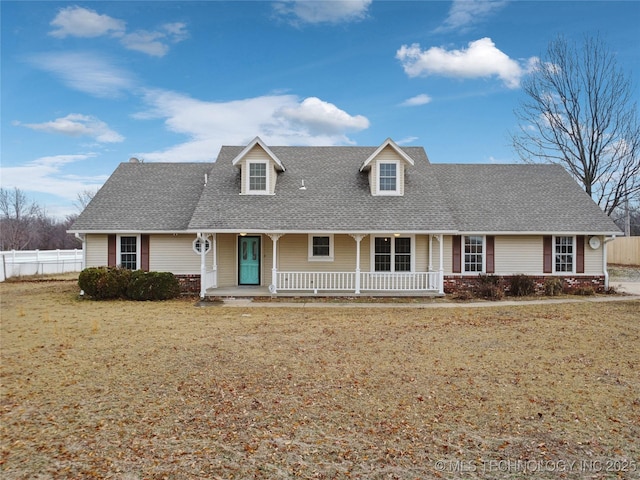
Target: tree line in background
x=25 y=225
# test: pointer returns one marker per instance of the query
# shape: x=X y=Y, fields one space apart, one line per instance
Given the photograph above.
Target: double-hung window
x=321 y=248
x=388 y=178
x=564 y=253
x=473 y=253
x=257 y=178
x=392 y=254
x=129 y=252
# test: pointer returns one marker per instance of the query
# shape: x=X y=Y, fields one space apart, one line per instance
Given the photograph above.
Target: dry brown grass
x=168 y=390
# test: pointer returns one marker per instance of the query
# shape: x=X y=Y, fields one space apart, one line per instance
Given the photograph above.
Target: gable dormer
x=386 y=167
x=259 y=169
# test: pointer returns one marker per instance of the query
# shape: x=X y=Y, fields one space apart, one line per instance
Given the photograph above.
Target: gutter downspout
x=604 y=260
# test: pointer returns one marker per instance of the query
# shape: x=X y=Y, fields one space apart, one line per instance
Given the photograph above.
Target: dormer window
x=257 y=177
x=259 y=168
x=386 y=167
x=388 y=178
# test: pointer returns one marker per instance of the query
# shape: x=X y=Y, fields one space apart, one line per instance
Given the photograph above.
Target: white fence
x=16 y=263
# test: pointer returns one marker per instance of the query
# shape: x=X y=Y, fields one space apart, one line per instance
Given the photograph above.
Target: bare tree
x=19 y=220
x=579 y=113
x=83 y=198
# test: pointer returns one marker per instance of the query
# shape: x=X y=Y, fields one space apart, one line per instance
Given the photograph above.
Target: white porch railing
x=337 y=281
x=401 y=281
x=210 y=279
x=346 y=281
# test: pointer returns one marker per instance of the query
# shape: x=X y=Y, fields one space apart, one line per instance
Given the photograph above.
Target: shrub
x=553 y=286
x=587 y=291
x=102 y=283
x=489 y=287
x=521 y=285
x=153 y=286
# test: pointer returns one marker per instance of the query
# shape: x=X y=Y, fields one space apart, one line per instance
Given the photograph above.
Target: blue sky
x=87 y=85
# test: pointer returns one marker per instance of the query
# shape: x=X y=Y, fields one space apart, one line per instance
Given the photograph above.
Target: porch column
x=273 y=288
x=358 y=238
x=214 y=250
x=430 y=252
x=203 y=265
x=441 y=264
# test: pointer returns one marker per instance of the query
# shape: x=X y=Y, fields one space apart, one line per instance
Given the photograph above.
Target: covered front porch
x=394 y=264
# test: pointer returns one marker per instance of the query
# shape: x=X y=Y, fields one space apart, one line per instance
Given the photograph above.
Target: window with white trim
x=473 y=254
x=128 y=252
x=257 y=178
x=197 y=245
x=564 y=254
x=392 y=254
x=321 y=248
x=388 y=182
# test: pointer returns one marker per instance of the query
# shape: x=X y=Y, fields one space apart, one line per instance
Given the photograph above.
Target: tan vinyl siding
x=518 y=254
x=293 y=255
x=96 y=250
x=175 y=254
x=227 y=244
x=593 y=258
x=421 y=254
x=447 y=254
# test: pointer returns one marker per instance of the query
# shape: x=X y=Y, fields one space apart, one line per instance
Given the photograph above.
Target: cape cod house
x=355 y=220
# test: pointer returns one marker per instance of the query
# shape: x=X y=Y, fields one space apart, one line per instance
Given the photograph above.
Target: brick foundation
x=457 y=283
x=189 y=284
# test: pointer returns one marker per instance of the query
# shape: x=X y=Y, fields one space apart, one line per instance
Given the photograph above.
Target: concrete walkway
x=248 y=302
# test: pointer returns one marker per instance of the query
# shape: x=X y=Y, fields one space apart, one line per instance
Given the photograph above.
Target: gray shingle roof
x=145 y=197
x=519 y=198
x=337 y=195
x=445 y=197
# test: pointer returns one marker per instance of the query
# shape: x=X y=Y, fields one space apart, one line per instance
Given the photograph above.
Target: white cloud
x=154 y=43
x=85 y=72
x=406 y=140
x=76 y=125
x=322 y=11
x=465 y=13
x=322 y=117
x=45 y=175
x=418 y=100
x=277 y=119
x=82 y=22
x=145 y=42
x=481 y=59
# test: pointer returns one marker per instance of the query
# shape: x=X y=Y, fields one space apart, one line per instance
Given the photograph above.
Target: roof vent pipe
x=206 y=179
x=134 y=160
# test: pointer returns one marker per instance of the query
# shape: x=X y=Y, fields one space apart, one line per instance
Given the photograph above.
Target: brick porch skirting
x=189 y=284
x=456 y=283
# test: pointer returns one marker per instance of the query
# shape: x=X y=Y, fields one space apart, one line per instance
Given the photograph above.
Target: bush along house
x=344 y=220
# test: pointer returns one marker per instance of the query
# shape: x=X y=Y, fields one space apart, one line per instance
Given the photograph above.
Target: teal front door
x=249 y=260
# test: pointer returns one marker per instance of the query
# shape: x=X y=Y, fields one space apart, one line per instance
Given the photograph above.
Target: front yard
x=168 y=390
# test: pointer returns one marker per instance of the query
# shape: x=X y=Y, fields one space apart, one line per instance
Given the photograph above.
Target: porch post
x=214 y=250
x=358 y=238
x=203 y=266
x=273 y=288
x=441 y=265
x=430 y=252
